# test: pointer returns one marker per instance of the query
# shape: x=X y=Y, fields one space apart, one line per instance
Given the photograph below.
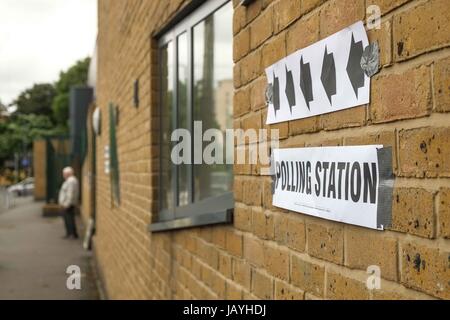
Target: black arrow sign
x=290 y=91
x=305 y=82
x=328 y=76
x=276 y=94
x=354 y=70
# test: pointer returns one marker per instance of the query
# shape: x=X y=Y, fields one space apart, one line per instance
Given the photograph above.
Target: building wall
x=85 y=206
x=87 y=172
x=40 y=169
x=268 y=252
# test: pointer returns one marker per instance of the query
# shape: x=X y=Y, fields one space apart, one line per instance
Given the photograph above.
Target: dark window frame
x=212 y=210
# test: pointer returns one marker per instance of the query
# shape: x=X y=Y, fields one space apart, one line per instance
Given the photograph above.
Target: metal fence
x=58 y=157
x=6 y=199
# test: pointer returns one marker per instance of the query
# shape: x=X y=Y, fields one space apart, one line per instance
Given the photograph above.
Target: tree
x=39 y=108
x=36 y=100
x=60 y=108
x=17 y=134
x=75 y=75
x=3 y=109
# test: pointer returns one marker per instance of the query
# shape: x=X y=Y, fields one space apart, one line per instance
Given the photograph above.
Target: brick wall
x=87 y=172
x=268 y=252
x=40 y=169
x=85 y=206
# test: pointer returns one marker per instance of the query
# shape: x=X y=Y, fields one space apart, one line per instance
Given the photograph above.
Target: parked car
x=22 y=188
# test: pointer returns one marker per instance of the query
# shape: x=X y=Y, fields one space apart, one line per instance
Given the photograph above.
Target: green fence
x=58 y=157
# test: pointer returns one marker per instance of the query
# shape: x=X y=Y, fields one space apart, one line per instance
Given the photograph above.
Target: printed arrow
x=354 y=70
x=328 y=76
x=305 y=82
x=290 y=91
x=276 y=94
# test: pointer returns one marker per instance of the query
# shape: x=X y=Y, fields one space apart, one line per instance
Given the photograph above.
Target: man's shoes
x=70 y=236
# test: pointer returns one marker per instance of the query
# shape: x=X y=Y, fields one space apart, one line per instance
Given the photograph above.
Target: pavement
x=34 y=258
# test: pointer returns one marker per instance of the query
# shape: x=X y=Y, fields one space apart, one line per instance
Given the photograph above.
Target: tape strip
x=384 y=208
x=370 y=59
x=272 y=172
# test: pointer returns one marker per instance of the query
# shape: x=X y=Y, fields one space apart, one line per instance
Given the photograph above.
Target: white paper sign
x=346 y=184
x=324 y=77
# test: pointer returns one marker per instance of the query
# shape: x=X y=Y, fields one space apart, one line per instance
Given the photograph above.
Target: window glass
x=182 y=94
x=167 y=92
x=196 y=85
x=212 y=95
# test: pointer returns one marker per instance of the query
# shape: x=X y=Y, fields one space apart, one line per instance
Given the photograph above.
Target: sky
x=40 y=38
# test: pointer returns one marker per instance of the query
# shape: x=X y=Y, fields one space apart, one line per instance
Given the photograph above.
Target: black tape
x=386 y=184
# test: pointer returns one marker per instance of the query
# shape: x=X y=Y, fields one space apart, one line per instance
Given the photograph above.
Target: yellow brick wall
x=85 y=207
x=87 y=172
x=269 y=252
x=40 y=169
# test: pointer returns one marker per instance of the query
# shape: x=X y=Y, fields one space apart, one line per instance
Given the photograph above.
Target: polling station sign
x=348 y=184
x=324 y=77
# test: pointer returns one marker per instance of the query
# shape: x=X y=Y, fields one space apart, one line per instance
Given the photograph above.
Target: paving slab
x=34 y=257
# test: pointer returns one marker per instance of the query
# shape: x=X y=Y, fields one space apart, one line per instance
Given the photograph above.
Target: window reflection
x=182 y=86
x=166 y=125
x=212 y=94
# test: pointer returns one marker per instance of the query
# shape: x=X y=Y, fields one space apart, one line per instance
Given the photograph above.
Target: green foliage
x=75 y=75
x=42 y=111
x=17 y=134
x=61 y=109
x=3 y=108
x=36 y=100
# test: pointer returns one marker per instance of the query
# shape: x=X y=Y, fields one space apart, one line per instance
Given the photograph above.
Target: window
x=196 y=86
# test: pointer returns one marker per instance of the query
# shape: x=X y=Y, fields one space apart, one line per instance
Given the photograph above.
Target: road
x=34 y=257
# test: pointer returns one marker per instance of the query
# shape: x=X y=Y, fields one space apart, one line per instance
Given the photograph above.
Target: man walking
x=68 y=199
